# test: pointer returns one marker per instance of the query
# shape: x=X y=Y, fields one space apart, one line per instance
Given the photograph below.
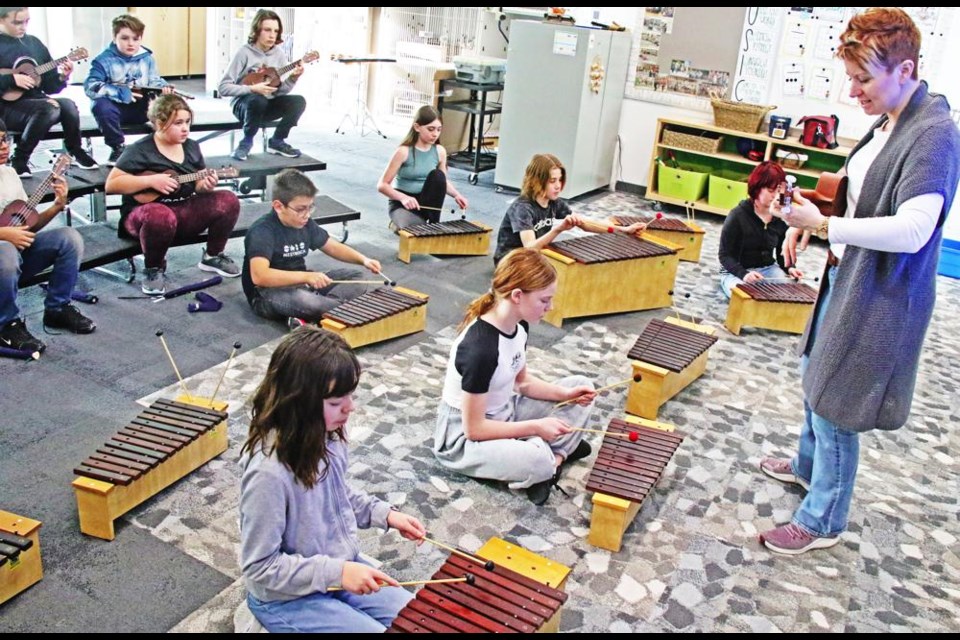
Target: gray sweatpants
x=519 y=462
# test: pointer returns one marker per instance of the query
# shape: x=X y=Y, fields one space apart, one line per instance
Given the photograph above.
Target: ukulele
x=29 y=67
x=152 y=92
x=273 y=75
x=20 y=213
x=150 y=195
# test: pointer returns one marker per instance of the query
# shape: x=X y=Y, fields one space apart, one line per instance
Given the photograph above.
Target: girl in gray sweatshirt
x=298 y=515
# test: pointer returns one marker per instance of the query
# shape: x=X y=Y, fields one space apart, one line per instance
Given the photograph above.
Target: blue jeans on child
x=333 y=612
x=728 y=281
x=62 y=248
x=300 y=301
x=827 y=458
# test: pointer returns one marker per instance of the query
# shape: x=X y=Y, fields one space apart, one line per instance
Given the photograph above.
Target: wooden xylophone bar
x=670 y=346
x=373 y=305
x=661 y=224
x=780 y=291
x=451 y=228
x=378 y=315
x=20 y=563
x=608 y=248
x=610 y=273
x=668 y=356
x=624 y=474
x=499 y=601
x=781 y=306
x=686 y=234
x=454 y=238
x=162 y=444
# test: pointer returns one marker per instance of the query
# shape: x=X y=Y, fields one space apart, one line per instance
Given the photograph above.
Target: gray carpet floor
x=690 y=560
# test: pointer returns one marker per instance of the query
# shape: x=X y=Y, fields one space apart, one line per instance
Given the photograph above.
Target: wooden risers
x=631 y=469
x=745 y=311
x=136 y=464
x=461 y=244
x=20 y=565
x=658 y=384
x=611 y=287
x=405 y=322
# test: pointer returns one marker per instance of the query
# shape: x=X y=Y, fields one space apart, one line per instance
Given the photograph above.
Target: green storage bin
x=686 y=183
x=727 y=189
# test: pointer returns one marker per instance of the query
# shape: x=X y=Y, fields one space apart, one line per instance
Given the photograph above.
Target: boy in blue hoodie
x=125 y=63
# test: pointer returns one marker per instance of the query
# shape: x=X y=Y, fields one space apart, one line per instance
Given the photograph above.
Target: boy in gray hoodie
x=256 y=104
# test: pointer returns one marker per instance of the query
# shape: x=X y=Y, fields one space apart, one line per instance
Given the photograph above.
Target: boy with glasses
x=276 y=281
x=25 y=252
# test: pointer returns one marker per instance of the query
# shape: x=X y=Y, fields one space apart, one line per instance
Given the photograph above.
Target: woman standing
x=862 y=347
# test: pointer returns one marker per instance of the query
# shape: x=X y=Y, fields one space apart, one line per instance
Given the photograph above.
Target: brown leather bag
x=830 y=195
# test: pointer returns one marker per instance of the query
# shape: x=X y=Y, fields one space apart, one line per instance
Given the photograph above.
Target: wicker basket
x=791 y=159
x=705 y=142
x=741 y=116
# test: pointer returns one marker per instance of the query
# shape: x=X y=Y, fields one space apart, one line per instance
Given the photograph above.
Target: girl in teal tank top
x=415 y=180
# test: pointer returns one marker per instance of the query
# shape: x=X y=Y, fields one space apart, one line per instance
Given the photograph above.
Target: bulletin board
x=683 y=55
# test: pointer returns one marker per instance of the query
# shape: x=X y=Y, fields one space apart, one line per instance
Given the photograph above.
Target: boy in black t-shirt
x=275 y=276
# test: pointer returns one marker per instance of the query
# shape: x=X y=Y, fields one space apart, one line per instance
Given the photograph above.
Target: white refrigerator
x=562 y=95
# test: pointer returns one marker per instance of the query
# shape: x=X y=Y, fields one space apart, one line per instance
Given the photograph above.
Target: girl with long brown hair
x=415 y=179
x=496 y=419
x=298 y=516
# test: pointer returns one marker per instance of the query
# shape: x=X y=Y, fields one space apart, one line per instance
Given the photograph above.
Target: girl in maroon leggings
x=180 y=211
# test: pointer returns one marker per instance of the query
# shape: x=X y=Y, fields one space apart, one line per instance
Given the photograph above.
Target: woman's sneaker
x=791 y=539
x=780 y=469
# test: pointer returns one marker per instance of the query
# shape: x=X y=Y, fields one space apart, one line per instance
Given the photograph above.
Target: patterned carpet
x=690 y=560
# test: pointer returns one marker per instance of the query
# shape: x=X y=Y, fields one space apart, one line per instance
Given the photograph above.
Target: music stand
x=362 y=115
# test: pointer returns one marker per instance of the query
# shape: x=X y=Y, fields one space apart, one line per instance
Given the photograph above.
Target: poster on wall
x=655 y=76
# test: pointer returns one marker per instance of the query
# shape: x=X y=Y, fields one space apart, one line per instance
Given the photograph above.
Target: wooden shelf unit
x=727 y=158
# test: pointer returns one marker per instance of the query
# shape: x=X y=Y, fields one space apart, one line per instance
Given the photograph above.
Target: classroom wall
x=638 y=121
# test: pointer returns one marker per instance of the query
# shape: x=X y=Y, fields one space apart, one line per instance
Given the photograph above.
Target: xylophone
x=378 y=315
x=453 y=238
x=610 y=273
x=164 y=443
x=781 y=306
x=667 y=356
x=625 y=473
x=510 y=598
x=686 y=234
x=20 y=565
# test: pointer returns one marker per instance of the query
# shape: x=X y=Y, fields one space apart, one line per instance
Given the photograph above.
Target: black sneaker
x=21 y=166
x=14 y=335
x=539 y=492
x=115 y=153
x=84 y=159
x=281 y=148
x=68 y=317
x=242 y=151
x=582 y=451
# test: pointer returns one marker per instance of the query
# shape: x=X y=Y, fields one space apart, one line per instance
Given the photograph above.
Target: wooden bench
x=102 y=246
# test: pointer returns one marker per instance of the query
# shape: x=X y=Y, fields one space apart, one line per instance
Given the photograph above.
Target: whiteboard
x=786 y=58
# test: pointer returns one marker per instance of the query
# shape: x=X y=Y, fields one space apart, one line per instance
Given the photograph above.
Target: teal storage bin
x=726 y=189
x=689 y=182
